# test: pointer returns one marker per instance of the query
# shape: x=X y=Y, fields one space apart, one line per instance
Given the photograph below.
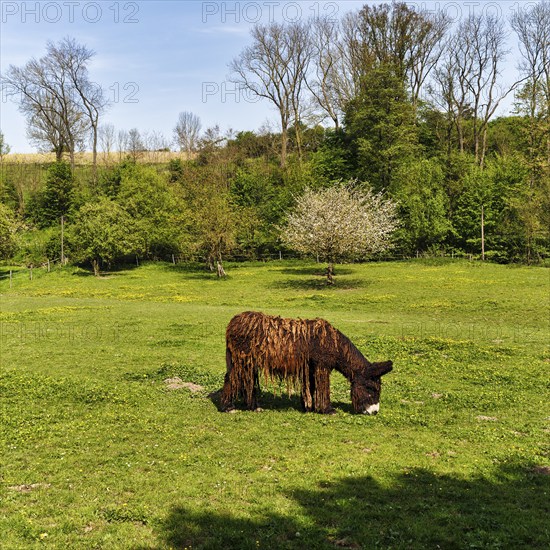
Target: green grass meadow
x=97 y=451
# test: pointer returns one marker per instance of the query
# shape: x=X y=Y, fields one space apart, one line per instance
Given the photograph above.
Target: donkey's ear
x=379 y=369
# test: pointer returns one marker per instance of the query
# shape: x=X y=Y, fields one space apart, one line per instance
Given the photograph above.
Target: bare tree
x=187 y=131
x=399 y=36
x=154 y=143
x=45 y=129
x=106 y=136
x=54 y=122
x=274 y=67
x=55 y=94
x=443 y=93
x=426 y=49
x=353 y=59
x=533 y=29
x=326 y=60
x=297 y=40
x=72 y=60
x=468 y=78
x=450 y=91
x=122 y=143
x=487 y=38
x=134 y=144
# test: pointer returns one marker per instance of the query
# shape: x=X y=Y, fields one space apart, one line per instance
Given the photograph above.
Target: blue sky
x=158 y=58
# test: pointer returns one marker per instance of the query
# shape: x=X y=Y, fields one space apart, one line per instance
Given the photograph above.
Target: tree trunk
x=482 y=233
x=71 y=159
x=62 y=240
x=221 y=271
x=95 y=265
x=94 y=155
x=330 y=274
x=284 y=143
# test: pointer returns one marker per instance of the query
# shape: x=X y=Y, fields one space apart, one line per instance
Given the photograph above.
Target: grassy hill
x=99 y=452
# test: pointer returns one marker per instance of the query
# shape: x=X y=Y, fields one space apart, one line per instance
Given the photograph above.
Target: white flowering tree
x=340 y=223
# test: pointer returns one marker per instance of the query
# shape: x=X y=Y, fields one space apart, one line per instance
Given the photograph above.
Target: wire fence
x=28 y=272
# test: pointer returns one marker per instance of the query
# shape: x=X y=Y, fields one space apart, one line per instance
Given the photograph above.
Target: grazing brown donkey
x=302 y=352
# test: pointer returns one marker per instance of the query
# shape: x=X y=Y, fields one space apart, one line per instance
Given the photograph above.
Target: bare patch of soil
x=176 y=383
x=487 y=418
x=27 y=488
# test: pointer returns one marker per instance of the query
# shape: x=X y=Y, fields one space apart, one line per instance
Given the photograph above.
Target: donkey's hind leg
x=308 y=390
x=252 y=389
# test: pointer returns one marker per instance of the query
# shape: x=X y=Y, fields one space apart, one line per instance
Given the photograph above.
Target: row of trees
x=318 y=70
x=412 y=104
x=322 y=69
x=142 y=212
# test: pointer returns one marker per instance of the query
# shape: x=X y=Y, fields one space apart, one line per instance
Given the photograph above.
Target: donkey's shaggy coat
x=302 y=352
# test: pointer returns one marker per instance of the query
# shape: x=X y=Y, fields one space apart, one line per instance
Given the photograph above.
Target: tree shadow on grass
x=319 y=284
x=418 y=509
x=86 y=270
x=319 y=270
x=314 y=278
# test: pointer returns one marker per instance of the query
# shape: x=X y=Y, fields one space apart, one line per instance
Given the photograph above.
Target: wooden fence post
x=482 y=233
x=62 y=241
x=11 y=276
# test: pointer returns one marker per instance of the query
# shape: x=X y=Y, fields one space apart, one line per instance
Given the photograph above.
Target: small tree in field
x=102 y=233
x=340 y=223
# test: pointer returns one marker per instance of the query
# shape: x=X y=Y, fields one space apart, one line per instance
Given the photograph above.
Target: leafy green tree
x=215 y=223
x=499 y=199
x=332 y=161
x=175 y=170
x=58 y=198
x=381 y=124
x=110 y=179
x=160 y=215
x=102 y=232
x=249 y=145
x=260 y=199
x=8 y=228
x=423 y=205
x=524 y=225
x=8 y=192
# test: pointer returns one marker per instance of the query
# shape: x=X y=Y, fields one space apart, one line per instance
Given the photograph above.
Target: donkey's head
x=366 y=387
